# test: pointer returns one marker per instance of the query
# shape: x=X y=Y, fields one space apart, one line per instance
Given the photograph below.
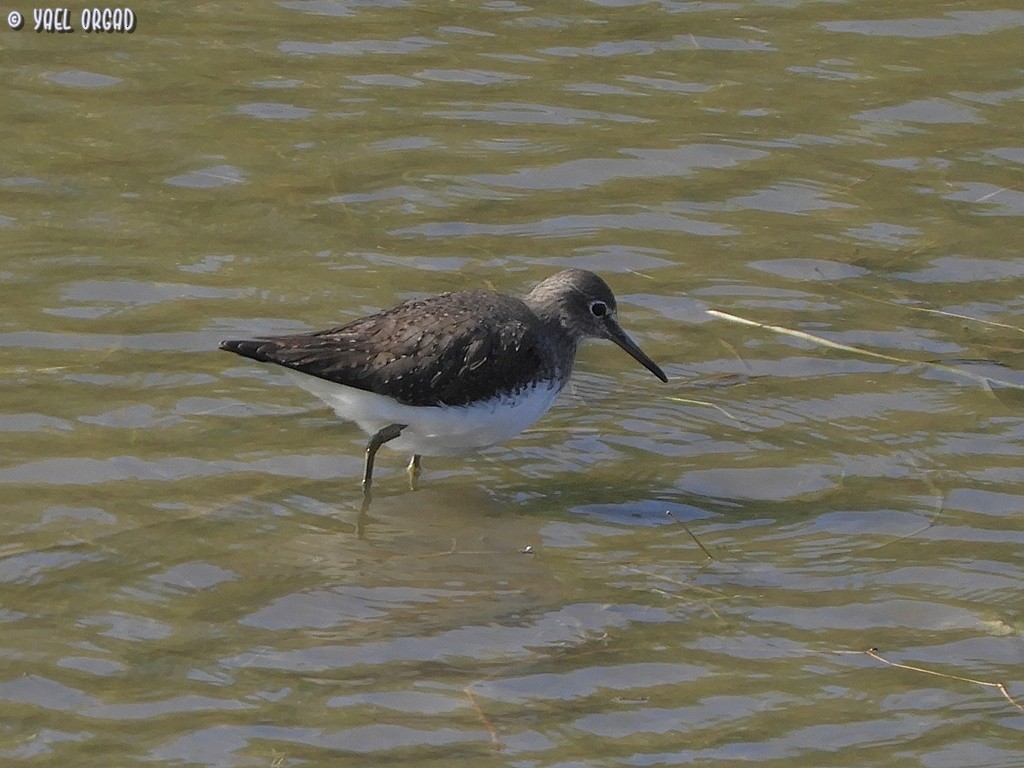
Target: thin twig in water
x=821 y=341
x=738 y=356
x=670 y=580
x=930 y=310
x=640 y=274
x=940 y=507
x=705 y=404
x=702 y=547
x=958 y=316
x=990 y=195
x=454 y=550
x=495 y=740
x=875 y=654
x=695 y=587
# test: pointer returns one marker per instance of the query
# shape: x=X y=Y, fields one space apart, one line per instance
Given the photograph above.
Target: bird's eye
x=598 y=308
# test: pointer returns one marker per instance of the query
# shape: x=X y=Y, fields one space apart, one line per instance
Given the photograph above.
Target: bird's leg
x=413 y=470
x=390 y=432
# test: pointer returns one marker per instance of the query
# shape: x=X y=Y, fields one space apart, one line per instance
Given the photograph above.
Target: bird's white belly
x=435 y=430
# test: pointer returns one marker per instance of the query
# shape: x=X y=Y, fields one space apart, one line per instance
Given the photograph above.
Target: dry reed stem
x=875 y=654
x=495 y=740
x=706 y=404
x=823 y=342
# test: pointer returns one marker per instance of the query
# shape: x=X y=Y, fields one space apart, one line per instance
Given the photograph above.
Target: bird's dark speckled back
x=452 y=349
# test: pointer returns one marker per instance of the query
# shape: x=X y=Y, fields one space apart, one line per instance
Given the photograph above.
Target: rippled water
x=811 y=214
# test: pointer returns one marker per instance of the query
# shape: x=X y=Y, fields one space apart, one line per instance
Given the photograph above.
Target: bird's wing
x=442 y=350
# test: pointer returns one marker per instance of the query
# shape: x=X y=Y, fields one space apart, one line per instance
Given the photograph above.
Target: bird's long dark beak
x=616 y=334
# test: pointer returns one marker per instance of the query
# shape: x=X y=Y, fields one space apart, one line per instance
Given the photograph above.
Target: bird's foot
x=413 y=471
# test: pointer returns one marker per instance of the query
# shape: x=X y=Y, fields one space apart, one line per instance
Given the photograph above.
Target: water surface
x=184 y=575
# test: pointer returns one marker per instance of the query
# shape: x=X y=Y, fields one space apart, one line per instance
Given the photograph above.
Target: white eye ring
x=598 y=308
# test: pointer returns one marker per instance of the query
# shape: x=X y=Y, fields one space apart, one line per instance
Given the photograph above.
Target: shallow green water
x=181 y=579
